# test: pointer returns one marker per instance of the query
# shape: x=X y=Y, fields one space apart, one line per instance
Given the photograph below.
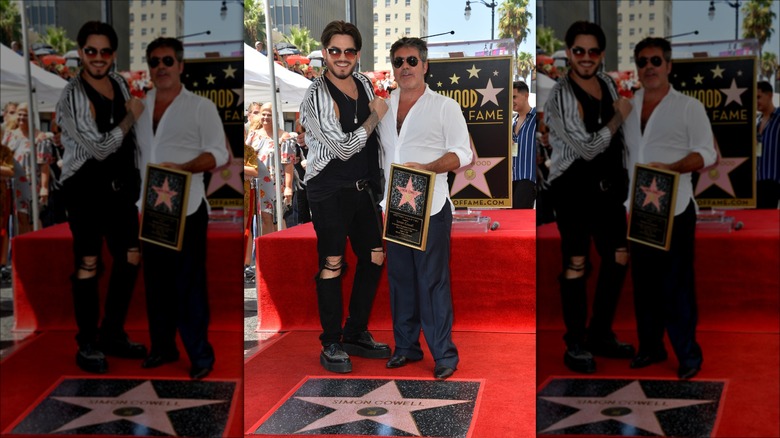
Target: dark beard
x=96 y=77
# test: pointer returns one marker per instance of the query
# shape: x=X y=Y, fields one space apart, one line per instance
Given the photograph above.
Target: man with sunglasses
x=101 y=185
x=180 y=131
x=588 y=187
x=669 y=131
x=423 y=130
x=340 y=114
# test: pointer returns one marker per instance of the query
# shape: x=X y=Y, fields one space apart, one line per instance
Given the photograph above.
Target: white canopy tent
x=13 y=82
x=257 y=82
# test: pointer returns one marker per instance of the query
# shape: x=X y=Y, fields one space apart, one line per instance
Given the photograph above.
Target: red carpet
x=504 y=361
x=493 y=278
x=748 y=362
x=42 y=291
x=28 y=373
x=737 y=277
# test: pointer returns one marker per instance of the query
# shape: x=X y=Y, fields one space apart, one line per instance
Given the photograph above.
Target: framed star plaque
x=164 y=207
x=408 y=211
x=653 y=196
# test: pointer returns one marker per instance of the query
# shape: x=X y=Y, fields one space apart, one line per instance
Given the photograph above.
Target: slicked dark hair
x=764 y=87
x=520 y=86
x=340 y=27
x=415 y=43
x=173 y=43
x=585 y=28
x=660 y=43
x=97 y=28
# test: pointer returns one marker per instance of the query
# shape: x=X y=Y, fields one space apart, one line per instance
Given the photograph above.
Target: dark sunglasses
x=92 y=52
x=655 y=60
x=167 y=60
x=593 y=52
x=411 y=60
x=336 y=52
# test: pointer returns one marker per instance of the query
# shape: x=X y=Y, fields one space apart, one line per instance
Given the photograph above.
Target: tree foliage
x=547 y=41
x=525 y=64
x=302 y=39
x=513 y=22
x=254 y=22
x=769 y=65
x=10 y=22
x=57 y=38
x=757 y=21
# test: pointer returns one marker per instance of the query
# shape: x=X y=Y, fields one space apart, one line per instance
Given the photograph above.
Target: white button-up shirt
x=433 y=127
x=189 y=127
x=677 y=127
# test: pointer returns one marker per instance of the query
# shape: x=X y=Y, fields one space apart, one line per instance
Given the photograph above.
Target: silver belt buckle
x=604 y=185
x=360 y=186
x=115 y=185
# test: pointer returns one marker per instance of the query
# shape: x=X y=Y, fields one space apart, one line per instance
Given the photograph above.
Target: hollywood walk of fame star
x=653 y=195
x=474 y=174
x=733 y=94
x=210 y=78
x=230 y=72
x=164 y=194
x=718 y=175
x=454 y=78
x=717 y=72
x=384 y=405
x=628 y=405
x=140 y=405
x=408 y=195
x=474 y=71
x=489 y=93
x=228 y=174
x=698 y=78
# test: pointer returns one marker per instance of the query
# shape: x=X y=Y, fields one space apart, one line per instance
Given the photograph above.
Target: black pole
x=736 y=20
x=493 y=20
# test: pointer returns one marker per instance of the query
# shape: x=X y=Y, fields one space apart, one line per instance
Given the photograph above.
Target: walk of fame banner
x=221 y=80
x=483 y=88
x=727 y=88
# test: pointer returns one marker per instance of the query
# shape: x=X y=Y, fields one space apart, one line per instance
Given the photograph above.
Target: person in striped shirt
x=523 y=148
x=101 y=184
x=767 y=138
x=589 y=185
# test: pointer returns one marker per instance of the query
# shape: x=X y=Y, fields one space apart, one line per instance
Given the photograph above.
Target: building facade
x=148 y=20
x=638 y=19
x=392 y=20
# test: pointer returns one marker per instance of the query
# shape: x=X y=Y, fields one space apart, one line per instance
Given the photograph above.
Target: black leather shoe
x=364 y=345
x=399 y=360
x=611 y=347
x=643 y=360
x=156 y=360
x=579 y=360
x=442 y=372
x=687 y=373
x=124 y=348
x=91 y=360
x=334 y=359
x=198 y=373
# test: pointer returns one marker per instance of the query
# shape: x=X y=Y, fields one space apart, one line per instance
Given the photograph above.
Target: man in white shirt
x=180 y=131
x=668 y=131
x=423 y=130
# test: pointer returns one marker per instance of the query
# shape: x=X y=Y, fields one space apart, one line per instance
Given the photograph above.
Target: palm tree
x=546 y=40
x=10 y=22
x=514 y=21
x=58 y=39
x=525 y=64
x=254 y=22
x=758 y=22
x=768 y=65
x=301 y=38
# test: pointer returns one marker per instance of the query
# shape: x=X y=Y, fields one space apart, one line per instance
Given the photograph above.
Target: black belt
x=364 y=184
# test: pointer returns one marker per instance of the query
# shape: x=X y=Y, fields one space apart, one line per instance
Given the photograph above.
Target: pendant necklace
x=355 y=119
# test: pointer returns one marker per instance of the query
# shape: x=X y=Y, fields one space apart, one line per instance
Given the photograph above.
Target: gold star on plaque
x=439 y=84
x=474 y=71
x=454 y=78
x=698 y=78
x=717 y=72
x=210 y=78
